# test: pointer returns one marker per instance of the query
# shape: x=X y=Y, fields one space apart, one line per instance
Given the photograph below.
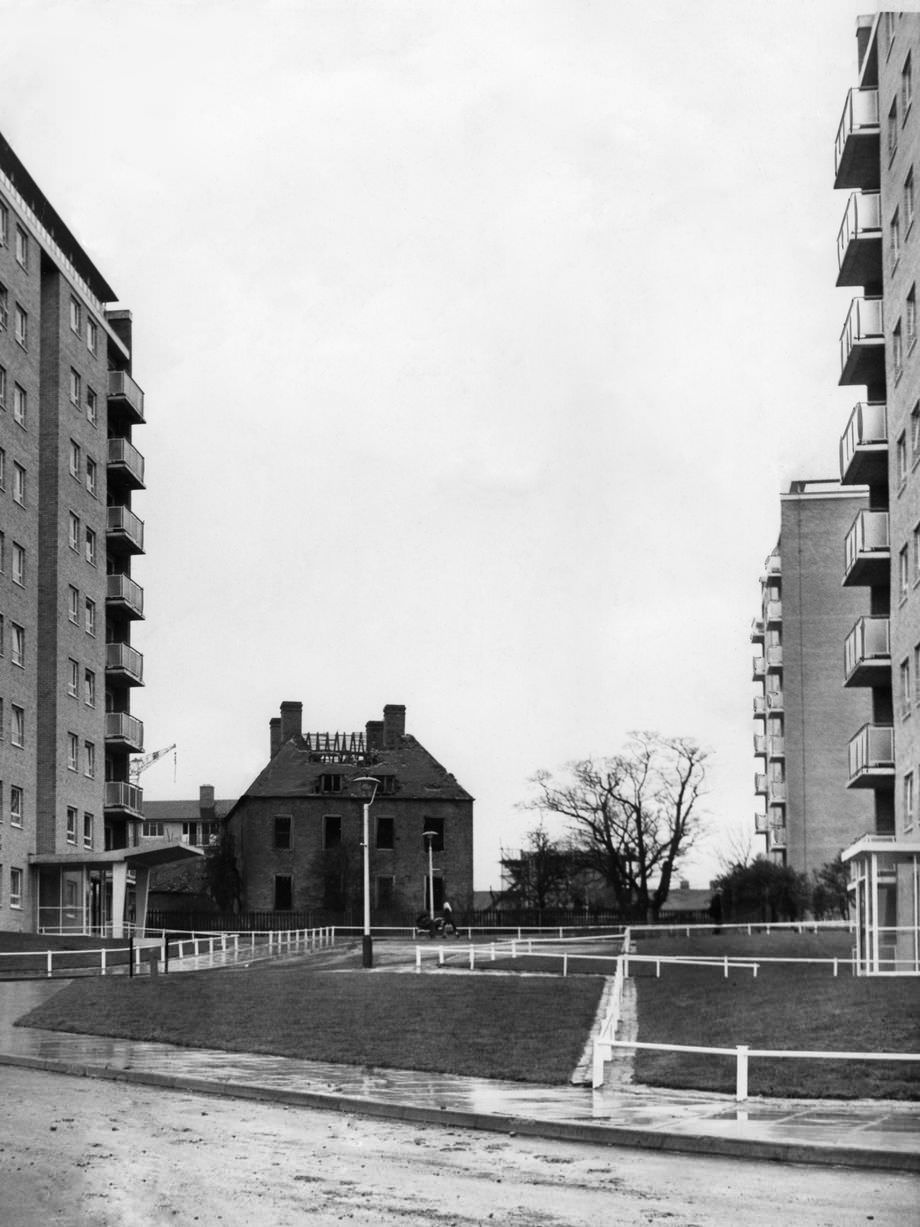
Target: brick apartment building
x=803 y=716
x=69 y=473
x=296 y=831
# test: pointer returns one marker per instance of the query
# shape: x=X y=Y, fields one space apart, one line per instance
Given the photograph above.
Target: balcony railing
x=125 y=529
x=123 y=591
x=777 y=838
x=122 y=796
x=124 y=393
x=122 y=727
x=126 y=460
x=866 y=550
x=773 y=564
x=760 y=705
x=760 y=783
x=774 y=700
x=856 y=150
x=758 y=668
x=774 y=658
x=776 y=747
x=777 y=791
x=757 y=629
x=862 y=343
x=867 y=652
x=859 y=241
x=864 y=444
x=774 y=612
x=761 y=826
x=760 y=743
x=121 y=659
x=871 y=757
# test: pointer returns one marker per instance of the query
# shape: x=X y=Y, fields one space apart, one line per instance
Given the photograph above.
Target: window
x=92 y=405
x=897 y=351
x=73 y=678
x=332 y=830
x=75 y=465
x=17 y=725
x=19 y=565
x=4 y=307
x=901 y=458
x=91 y=475
x=909 y=200
x=916 y=540
x=284 y=892
x=91 y=547
x=19 y=484
x=92 y=334
x=1 y=634
x=911 y=317
x=73 y=539
x=435 y=825
x=76 y=314
x=73 y=752
x=283 y=832
x=89 y=618
x=17 y=644
x=2 y=384
x=73 y=601
x=87 y=830
x=2 y=469
x=152 y=830
x=4 y=225
x=915 y=433
x=71 y=825
x=76 y=385
x=902 y=574
x=917 y=675
x=89 y=760
x=908 y=797
x=16 y=805
x=904 y=691
x=385 y=833
x=20 y=404
x=22 y=247
x=889 y=30
x=329 y=782
x=15 y=888
x=2 y=552
x=894 y=237
x=21 y=327
x=893 y=130
x=906 y=87
x=89 y=688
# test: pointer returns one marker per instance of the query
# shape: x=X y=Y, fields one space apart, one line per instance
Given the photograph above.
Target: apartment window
x=901 y=458
x=332 y=830
x=16 y=805
x=87 y=830
x=2 y=469
x=4 y=225
x=1 y=634
x=17 y=644
x=91 y=471
x=385 y=833
x=22 y=247
x=903 y=573
x=73 y=752
x=91 y=547
x=15 y=888
x=17 y=725
x=75 y=465
x=2 y=382
x=20 y=404
x=909 y=200
x=89 y=760
x=911 y=317
x=76 y=315
x=905 y=695
x=71 y=825
x=89 y=617
x=73 y=602
x=915 y=433
x=897 y=351
x=4 y=307
x=73 y=678
x=893 y=129
x=152 y=830
x=2 y=552
x=888 y=18
x=2 y=722
x=917 y=675
x=76 y=386
x=435 y=825
x=89 y=688
x=73 y=537
x=21 y=326
x=916 y=540
x=283 y=832
x=329 y=782
x=284 y=892
x=92 y=405
x=19 y=484
x=92 y=334
x=906 y=88
x=19 y=565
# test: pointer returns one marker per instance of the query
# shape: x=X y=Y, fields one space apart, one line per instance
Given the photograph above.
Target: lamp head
x=365 y=786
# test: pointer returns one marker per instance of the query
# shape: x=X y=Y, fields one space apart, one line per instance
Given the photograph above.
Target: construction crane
x=140 y=762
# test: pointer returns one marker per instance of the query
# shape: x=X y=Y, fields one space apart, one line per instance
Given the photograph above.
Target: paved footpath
x=859 y=1133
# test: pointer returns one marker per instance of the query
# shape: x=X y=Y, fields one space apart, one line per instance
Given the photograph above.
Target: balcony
x=774 y=700
x=126 y=397
x=760 y=783
x=777 y=792
x=761 y=825
x=864 y=445
x=776 y=747
x=123 y=594
x=866 y=552
x=757 y=629
x=123 y=663
x=773 y=565
x=773 y=612
x=125 y=798
x=760 y=705
x=871 y=757
x=760 y=744
x=867 y=653
x=126 y=462
x=862 y=343
x=856 y=150
x=125 y=731
x=774 y=659
x=124 y=531
x=776 y=840
x=758 y=669
x=859 y=241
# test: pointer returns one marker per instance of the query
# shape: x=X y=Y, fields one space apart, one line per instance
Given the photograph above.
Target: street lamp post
x=367 y=787
x=430 y=836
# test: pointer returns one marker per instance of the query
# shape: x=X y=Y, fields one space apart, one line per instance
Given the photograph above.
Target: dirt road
x=81 y=1151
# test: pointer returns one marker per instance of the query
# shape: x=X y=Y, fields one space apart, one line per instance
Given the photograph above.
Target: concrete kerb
x=814 y=1153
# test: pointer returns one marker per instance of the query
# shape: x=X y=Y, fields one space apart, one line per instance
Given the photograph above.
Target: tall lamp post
x=366 y=787
x=431 y=836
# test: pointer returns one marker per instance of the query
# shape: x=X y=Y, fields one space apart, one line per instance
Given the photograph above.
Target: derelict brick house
x=297 y=830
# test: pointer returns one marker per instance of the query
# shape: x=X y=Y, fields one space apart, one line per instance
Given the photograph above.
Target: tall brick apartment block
x=297 y=830
x=69 y=472
x=802 y=715
x=877 y=162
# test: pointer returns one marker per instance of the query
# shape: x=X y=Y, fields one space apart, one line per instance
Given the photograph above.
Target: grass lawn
x=787 y=1007
x=530 y=1029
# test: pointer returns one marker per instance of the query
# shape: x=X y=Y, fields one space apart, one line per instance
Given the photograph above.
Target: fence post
x=130 y=955
x=835 y=967
x=741 y=1074
x=530 y=945
x=101 y=962
x=565 y=965
x=472 y=956
x=492 y=951
x=440 y=956
x=725 y=971
x=513 y=948
x=48 y=964
x=418 y=958
x=658 y=969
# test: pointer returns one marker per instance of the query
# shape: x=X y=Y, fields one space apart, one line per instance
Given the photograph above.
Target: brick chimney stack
x=394 y=725
x=274 y=735
x=373 y=734
x=291 y=719
x=206 y=798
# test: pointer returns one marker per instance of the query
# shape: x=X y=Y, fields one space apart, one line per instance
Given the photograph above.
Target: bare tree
x=631 y=817
x=539 y=876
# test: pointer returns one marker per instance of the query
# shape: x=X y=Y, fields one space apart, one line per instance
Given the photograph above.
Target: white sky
x=478 y=340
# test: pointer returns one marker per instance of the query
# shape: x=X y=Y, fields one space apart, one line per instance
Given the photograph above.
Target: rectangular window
x=15 y=888
x=915 y=433
x=894 y=237
x=904 y=693
x=910 y=316
x=4 y=307
x=916 y=551
x=76 y=384
x=906 y=87
x=2 y=552
x=17 y=644
x=903 y=573
x=75 y=465
x=4 y=225
x=91 y=475
x=901 y=458
x=92 y=405
x=17 y=725
x=73 y=678
x=73 y=602
x=433 y=833
x=385 y=833
x=73 y=535
x=897 y=351
x=2 y=469
x=19 y=565
x=22 y=247
x=917 y=675
x=73 y=752
x=2 y=385
x=92 y=334
x=908 y=799
x=1 y=634
x=284 y=892
x=332 y=830
x=329 y=782
x=87 y=830
x=89 y=760
x=71 y=825
x=909 y=199
x=19 y=484
x=89 y=619
x=152 y=830
x=893 y=130
x=283 y=832
x=91 y=547
x=76 y=314
x=20 y=404
x=89 y=688
x=16 y=805
x=21 y=327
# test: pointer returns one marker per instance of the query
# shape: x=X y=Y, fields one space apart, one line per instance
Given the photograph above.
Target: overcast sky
x=478 y=339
